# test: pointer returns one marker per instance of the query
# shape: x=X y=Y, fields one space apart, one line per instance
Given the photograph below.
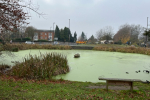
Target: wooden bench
x=123 y=82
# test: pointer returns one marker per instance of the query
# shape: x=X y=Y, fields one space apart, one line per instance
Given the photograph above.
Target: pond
x=93 y=64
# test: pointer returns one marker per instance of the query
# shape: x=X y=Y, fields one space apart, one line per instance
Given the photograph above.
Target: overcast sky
x=90 y=16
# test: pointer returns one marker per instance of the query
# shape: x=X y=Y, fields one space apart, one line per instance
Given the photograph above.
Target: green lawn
x=64 y=90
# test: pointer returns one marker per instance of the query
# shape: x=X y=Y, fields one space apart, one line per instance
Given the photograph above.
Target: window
x=45 y=37
x=45 y=33
x=41 y=33
x=41 y=37
x=50 y=34
x=36 y=36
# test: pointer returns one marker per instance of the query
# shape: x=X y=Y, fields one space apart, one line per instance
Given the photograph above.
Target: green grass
x=15 y=89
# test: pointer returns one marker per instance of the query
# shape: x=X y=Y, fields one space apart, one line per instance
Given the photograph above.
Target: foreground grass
x=13 y=88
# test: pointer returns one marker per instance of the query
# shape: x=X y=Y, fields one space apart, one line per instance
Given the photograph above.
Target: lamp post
x=53 y=25
x=53 y=28
x=69 y=23
x=69 y=29
x=147 y=30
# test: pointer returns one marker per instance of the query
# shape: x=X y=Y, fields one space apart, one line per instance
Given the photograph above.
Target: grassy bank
x=100 y=47
x=15 y=47
x=14 y=88
x=129 y=49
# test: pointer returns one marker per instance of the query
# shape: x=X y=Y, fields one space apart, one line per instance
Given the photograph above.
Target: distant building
x=103 y=41
x=107 y=42
x=44 y=35
x=111 y=42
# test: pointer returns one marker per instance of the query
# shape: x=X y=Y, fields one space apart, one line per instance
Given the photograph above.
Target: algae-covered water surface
x=94 y=64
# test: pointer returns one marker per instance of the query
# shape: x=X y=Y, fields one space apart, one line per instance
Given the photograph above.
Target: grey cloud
x=90 y=16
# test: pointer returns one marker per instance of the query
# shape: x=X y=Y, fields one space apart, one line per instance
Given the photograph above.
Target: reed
x=138 y=50
x=41 y=67
x=10 y=47
x=3 y=68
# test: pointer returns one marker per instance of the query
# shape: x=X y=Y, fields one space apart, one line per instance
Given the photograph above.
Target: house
x=107 y=42
x=103 y=41
x=111 y=41
x=44 y=35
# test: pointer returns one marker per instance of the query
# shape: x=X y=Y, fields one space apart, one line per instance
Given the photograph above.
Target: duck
x=139 y=71
x=136 y=71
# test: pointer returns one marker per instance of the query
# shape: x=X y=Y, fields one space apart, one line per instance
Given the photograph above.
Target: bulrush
x=138 y=50
x=41 y=67
x=11 y=47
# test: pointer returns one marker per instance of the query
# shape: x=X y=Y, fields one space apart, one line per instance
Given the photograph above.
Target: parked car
x=55 y=42
x=29 y=42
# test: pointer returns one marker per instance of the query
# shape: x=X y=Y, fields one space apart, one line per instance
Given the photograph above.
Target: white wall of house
x=50 y=37
x=109 y=41
x=35 y=38
x=103 y=41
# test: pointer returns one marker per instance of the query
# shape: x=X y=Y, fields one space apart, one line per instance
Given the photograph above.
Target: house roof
x=45 y=30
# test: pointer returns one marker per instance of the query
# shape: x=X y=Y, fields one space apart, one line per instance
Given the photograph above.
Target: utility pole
x=147 y=23
x=147 y=30
x=69 y=29
x=49 y=38
x=53 y=28
x=86 y=36
x=69 y=23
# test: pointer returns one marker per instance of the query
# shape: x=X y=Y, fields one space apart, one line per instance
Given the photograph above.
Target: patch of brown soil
x=13 y=78
x=113 y=87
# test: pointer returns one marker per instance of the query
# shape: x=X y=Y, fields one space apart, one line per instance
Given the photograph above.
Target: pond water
x=94 y=64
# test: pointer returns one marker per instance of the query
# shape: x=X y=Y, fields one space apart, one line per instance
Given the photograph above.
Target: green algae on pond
x=94 y=64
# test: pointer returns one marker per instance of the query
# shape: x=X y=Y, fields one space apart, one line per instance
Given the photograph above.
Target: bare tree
x=30 y=31
x=99 y=34
x=13 y=14
x=142 y=38
x=136 y=30
x=105 y=34
x=128 y=33
x=22 y=32
x=6 y=34
x=123 y=34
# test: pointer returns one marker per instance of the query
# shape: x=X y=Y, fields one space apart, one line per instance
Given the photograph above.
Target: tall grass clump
x=3 y=68
x=41 y=67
